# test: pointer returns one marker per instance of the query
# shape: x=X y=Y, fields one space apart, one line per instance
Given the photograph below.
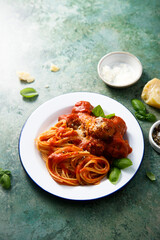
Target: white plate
x=46 y=116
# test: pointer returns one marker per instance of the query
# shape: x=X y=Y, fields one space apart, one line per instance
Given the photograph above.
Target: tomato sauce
x=99 y=136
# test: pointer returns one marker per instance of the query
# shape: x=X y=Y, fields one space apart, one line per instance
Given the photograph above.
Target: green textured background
x=74 y=35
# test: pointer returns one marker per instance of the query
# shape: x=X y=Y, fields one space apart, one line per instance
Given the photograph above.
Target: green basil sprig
x=114 y=175
x=115 y=171
x=28 y=92
x=98 y=112
x=122 y=163
x=110 y=115
x=5 y=178
x=150 y=117
x=138 y=105
x=141 y=112
x=151 y=176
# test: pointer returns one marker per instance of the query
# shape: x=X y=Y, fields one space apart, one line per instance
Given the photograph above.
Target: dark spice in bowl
x=156 y=135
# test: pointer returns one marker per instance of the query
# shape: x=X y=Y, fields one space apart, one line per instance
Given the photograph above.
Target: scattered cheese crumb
x=54 y=68
x=24 y=76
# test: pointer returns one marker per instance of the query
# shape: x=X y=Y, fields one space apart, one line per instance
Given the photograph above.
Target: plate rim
x=75 y=199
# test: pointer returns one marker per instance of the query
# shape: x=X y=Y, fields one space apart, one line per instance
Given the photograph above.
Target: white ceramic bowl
x=152 y=142
x=114 y=59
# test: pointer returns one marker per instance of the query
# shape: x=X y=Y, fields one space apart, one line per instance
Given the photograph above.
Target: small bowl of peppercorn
x=154 y=136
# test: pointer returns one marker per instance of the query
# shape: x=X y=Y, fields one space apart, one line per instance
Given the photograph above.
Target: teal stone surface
x=74 y=35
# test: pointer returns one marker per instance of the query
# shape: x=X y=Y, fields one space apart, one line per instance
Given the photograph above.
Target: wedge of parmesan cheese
x=151 y=93
x=24 y=76
x=54 y=68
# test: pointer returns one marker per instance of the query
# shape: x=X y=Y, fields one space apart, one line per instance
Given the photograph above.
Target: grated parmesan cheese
x=119 y=74
x=80 y=132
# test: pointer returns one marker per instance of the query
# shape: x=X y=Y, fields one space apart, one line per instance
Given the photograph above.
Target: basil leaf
x=7 y=172
x=5 y=181
x=28 y=92
x=1 y=172
x=151 y=176
x=122 y=163
x=98 y=111
x=142 y=112
x=150 y=117
x=110 y=115
x=138 y=105
x=114 y=174
x=140 y=116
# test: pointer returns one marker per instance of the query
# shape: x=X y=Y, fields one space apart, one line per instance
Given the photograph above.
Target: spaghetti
x=75 y=149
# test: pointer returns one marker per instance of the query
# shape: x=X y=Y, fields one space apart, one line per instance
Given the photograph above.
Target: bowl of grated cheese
x=119 y=69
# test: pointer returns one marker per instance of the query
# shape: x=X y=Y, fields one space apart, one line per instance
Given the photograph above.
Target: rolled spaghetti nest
x=67 y=163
